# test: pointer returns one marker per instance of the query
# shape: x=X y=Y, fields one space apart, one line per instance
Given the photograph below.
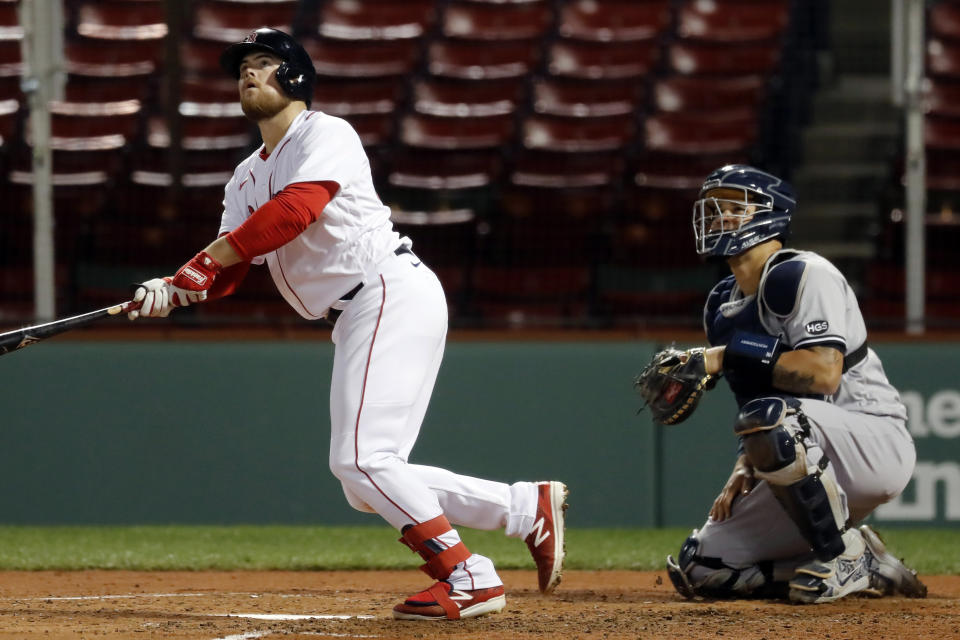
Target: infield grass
x=148 y=548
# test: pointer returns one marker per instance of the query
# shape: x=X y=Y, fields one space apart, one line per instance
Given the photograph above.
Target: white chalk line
x=251 y=635
x=293 y=616
x=126 y=596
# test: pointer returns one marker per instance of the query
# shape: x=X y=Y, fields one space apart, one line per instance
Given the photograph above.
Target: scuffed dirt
x=588 y=604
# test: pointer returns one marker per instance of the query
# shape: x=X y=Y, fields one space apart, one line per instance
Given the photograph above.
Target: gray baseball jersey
x=805 y=301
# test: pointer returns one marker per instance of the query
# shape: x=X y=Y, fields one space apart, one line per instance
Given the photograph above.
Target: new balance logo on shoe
x=541 y=534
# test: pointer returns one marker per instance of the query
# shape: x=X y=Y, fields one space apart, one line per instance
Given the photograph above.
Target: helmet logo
x=251 y=37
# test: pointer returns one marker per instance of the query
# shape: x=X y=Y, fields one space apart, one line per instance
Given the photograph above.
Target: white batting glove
x=158 y=297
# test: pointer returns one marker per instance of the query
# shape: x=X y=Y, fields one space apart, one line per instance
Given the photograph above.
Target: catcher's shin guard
x=774 y=447
x=421 y=539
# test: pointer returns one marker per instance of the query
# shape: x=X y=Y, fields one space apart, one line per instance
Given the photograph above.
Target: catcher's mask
x=761 y=210
x=295 y=74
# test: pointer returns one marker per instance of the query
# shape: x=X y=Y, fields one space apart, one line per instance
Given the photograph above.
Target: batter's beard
x=263 y=106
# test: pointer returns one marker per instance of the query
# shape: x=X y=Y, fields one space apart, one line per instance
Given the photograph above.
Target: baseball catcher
x=672 y=384
x=822 y=433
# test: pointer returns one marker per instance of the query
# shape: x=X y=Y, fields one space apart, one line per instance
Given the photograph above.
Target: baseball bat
x=20 y=338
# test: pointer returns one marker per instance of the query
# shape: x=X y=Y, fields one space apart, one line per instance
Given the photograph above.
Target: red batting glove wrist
x=198 y=274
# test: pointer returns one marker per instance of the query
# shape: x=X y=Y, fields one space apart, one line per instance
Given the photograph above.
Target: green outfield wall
x=165 y=432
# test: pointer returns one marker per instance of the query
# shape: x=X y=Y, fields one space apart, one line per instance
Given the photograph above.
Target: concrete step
x=856 y=98
x=853 y=182
x=850 y=142
x=843 y=221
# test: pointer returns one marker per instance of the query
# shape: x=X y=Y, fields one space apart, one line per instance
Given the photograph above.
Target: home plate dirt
x=271 y=605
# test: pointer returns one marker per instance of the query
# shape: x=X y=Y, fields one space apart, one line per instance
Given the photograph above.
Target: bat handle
x=124 y=307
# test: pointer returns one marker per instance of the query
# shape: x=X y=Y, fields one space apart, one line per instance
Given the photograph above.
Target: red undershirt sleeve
x=281 y=219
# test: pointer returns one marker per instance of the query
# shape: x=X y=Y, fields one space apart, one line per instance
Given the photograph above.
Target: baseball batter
x=304 y=204
x=822 y=432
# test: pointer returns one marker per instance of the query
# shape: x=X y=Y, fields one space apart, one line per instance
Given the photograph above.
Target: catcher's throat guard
x=672 y=384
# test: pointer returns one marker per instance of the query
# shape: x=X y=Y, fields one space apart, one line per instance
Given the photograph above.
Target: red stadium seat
x=111 y=59
x=942 y=133
x=602 y=60
x=944 y=20
x=578 y=135
x=690 y=58
x=10 y=28
x=716 y=94
x=362 y=59
x=456 y=98
x=376 y=19
x=563 y=170
x=614 y=20
x=942 y=98
x=432 y=132
x=533 y=296
x=203 y=133
x=365 y=96
x=9 y=119
x=586 y=98
x=943 y=58
x=478 y=60
x=112 y=20
x=495 y=21
x=695 y=134
x=732 y=21
x=232 y=21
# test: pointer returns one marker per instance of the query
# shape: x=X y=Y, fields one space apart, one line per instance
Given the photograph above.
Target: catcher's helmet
x=295 y=75
x=725 y=227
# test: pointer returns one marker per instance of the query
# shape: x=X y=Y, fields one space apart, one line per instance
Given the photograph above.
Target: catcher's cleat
x=889 y=576
x=545 y=540
x=818 y=581
x=443 y=602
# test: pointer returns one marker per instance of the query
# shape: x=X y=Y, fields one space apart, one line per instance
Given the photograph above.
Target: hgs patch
x=817 y=327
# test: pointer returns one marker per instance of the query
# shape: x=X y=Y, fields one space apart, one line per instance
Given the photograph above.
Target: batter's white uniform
x=805 y=301
x=389 y=339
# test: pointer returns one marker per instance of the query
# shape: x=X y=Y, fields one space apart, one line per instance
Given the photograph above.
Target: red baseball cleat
x=545 y=541
x=443 y=602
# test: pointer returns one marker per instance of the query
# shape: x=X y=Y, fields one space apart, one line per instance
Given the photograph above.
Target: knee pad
x=695 y=575
x=774 y=447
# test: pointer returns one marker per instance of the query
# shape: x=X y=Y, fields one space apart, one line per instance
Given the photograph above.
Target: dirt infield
x=273 y=605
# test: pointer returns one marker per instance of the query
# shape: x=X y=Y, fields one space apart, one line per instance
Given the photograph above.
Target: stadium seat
x=942 y=98
x=495 y=21
x=114 y=20
x=709 y=95
x=9 y=121
x=362 y=58
x=943 y=58
x=563 y=170
x=613 y=20
x=209 y=97
x=221 y=21
x=732 y=21
x=944 y=20
x=203 y=133
x=693 y=134
x=458 y=98
x=586 y=98
x=106 y=59
x=376 y=19
x=432 y=132
x=537 y=296
x=365 y=96
x=702 y=58
x=942 y=133
x=478 y=60
x=10 y=28
x=602 y=60
x=578 y=135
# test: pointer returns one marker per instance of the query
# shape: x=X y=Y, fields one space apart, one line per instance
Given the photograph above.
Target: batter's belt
x=333 y=314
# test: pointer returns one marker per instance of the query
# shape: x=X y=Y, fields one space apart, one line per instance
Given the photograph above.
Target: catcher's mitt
x=672 y=384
